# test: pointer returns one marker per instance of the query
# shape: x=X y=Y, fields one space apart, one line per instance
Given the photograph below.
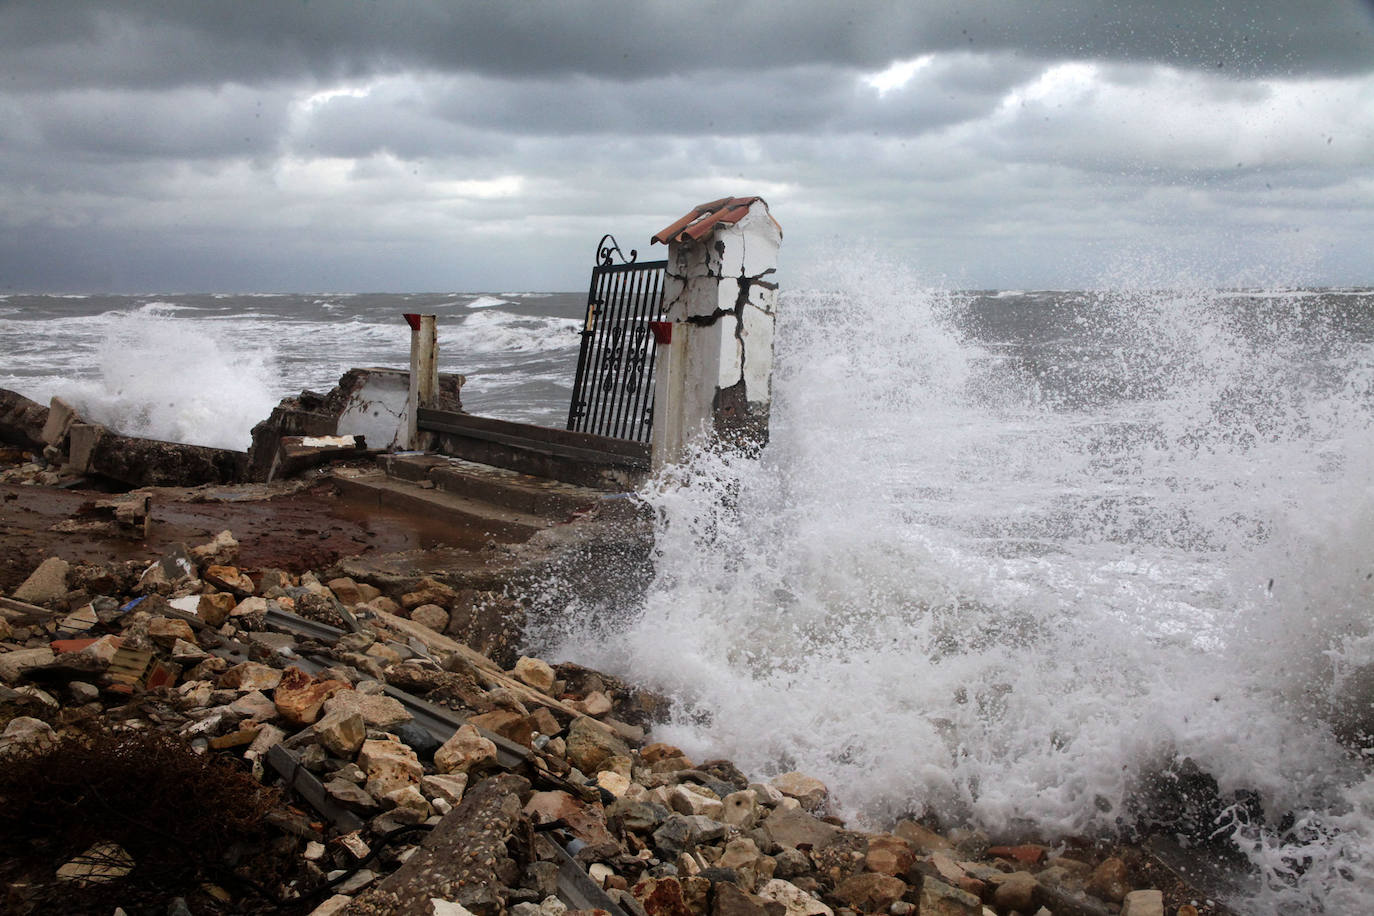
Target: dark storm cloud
x=302 y=144
x=155 y=44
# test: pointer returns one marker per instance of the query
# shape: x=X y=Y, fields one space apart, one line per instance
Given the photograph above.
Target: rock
x=465 y=751
x=173 y=568
x=377 y=711
x=333 y=906
x=269 y=736
x=791 y=828
x=215 y=608
x=299 y=697
x=795 y=901
x=352 y=796
x=729 y=900
x=888 y=855
x=508 y=724
x=417 y=739
x=1143 y=903
x=595 y=704
x=251 y=676
x=250 y=607
x=409 y=798
x=661 y=897
x=341 y=732
x=614 y=783
x=165 y=631
x=585 y=821
x=1027 y=853
x=46 y=585
x=389 y=765
x=254 y=705
x=740 y=809
x=222 y=550
x=590 y=744
x=638 y=816
x=25 y=734
x=101 y=864
x=431 y=616
x=939 y=899
x=871 y=892
x=346 y=590
x=14 y=664
x=805 y=789
x=429 y=591
x=536 y=673
x=448 y=786
x=693 y=799
x=681 y=833
x=1015 y=891
x=185 y=653
x=1109 y=881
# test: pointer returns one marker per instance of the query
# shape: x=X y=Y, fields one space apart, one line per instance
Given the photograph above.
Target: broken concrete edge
x=369 y=402
x=295 y=438
x=22 y=421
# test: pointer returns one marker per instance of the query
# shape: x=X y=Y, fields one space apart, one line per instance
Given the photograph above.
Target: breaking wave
x=1024 y=563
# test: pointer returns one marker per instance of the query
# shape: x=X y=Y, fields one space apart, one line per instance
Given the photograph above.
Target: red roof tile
x=704 y=218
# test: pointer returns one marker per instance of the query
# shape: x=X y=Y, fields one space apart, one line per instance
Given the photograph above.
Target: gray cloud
x=151 y=43
x=430 y=145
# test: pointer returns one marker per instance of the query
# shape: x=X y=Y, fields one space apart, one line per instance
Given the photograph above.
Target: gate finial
x=603 y=252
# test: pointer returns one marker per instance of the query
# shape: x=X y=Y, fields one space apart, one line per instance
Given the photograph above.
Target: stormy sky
x=405 y=145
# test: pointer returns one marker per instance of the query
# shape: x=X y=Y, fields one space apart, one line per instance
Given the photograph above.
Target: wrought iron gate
x=613 y=391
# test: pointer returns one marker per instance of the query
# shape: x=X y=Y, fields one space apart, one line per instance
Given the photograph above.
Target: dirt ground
x=283 y=528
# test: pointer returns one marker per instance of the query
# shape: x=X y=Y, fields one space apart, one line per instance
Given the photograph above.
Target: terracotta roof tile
x=702 y=219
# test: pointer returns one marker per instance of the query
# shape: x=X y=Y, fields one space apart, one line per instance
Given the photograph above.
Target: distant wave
x=486 y=302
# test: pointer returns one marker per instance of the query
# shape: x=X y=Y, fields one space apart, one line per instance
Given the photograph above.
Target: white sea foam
x=494 y=332
x=486 y=302
x=951 y=584
x=166 y=378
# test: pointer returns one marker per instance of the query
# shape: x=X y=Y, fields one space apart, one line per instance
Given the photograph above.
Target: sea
x=1052 y=563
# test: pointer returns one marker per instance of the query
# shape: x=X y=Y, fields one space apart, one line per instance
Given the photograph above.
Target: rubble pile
x=412 y=773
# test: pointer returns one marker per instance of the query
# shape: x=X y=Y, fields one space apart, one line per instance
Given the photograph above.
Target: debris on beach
x=195 y=736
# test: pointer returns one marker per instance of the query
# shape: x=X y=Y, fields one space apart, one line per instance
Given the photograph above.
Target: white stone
x=448 y=908
x=807 y=790
x=1143 y=903
x=797 y=901
x=535 y=672
x=691 y=799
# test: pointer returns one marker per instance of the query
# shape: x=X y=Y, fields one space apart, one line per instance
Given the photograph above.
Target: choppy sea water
x=1039 y=561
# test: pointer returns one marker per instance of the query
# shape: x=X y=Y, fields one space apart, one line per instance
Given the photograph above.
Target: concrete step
x=481 y=517
x=511 y=490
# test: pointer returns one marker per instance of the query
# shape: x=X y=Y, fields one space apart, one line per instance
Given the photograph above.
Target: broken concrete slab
x=151 y=462
x=21 y=420
x=460 y=859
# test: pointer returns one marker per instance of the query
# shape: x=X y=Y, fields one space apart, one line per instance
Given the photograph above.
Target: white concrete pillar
x=424 y=372
x=714 y=364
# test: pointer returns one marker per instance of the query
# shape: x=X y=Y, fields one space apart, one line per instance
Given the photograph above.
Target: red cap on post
x=413 y=320
x=663 y=332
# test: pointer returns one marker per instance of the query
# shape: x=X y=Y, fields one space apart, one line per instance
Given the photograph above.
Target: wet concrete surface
x=296 y=530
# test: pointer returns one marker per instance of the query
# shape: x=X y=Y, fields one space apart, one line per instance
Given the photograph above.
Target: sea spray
x=1016 y=579
x=162 y=377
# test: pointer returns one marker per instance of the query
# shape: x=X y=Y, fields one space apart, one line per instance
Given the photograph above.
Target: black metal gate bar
x=612 y=390
x=638 y=409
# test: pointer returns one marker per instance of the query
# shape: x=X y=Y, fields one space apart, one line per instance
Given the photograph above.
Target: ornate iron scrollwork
x=604 y=252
